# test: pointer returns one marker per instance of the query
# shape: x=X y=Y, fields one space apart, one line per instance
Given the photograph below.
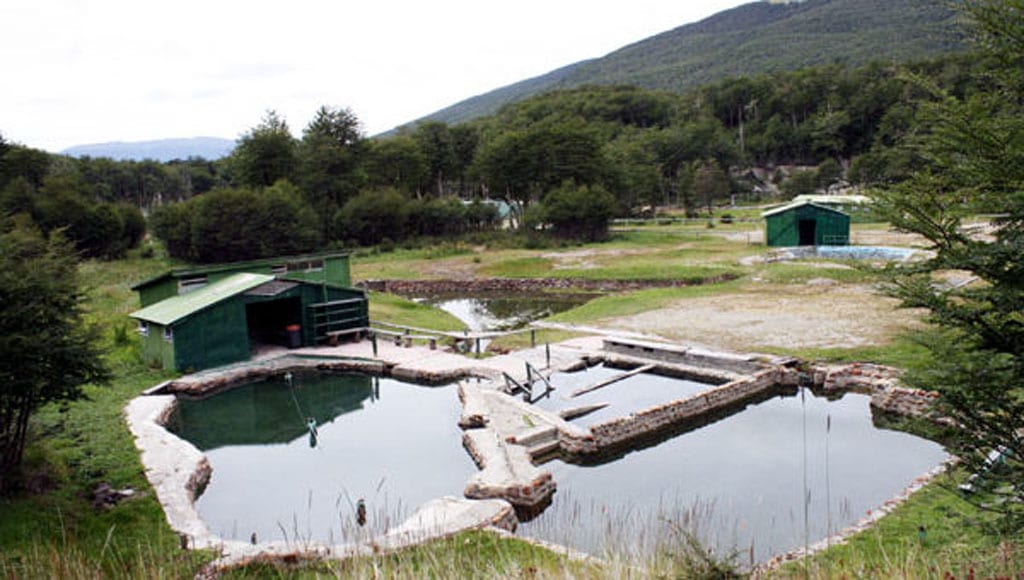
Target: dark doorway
x=807 y=230
x=269 y=320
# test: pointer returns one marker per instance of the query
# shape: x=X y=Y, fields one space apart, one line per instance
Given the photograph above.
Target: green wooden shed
x=805 y=223
x=233 y=313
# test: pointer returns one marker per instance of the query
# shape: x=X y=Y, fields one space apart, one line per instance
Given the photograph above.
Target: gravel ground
x=818 y=314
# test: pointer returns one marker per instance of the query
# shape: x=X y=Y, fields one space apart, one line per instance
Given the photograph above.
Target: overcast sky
x=89 y=71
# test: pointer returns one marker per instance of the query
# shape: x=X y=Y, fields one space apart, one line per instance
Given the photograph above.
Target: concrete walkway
x=410 y=361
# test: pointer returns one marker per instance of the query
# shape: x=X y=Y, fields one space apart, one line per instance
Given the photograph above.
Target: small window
x=143 y=328
x=186 y=285
x=168 y=334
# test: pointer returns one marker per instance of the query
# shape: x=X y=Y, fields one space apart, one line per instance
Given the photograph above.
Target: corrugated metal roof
x=177 y=307
x=796 y=204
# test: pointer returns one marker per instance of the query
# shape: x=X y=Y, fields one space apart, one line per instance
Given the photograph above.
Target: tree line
x=633 y=149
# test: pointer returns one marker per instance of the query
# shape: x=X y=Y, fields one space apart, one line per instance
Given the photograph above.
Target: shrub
x=228 y=225
x=576 y=212
x=372 y=216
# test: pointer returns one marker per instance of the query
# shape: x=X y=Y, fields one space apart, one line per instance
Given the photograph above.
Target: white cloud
x=103 y=70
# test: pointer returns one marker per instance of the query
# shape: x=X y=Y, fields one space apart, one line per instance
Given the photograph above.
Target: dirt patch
x=587 y=259
x=459 y=269
x=792 y=317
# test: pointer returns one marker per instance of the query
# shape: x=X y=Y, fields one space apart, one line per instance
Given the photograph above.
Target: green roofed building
x=193 y=319
x=805 y=223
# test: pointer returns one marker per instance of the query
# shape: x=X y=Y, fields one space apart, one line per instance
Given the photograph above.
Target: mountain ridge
x=755 y=38
x=163 y=150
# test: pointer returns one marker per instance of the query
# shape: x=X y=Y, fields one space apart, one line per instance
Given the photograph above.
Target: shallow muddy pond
x=395 y=444
x=504 y=311
x=738 y=482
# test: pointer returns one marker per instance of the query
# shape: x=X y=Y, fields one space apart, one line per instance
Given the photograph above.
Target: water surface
x=394 y=444
x=486 y=311
x=627 y=396
x=739 y=481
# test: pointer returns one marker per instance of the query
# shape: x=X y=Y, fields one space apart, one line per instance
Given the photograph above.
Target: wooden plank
x=575 y=412
x=337 y=302
x=613 y=380
x=346 y=331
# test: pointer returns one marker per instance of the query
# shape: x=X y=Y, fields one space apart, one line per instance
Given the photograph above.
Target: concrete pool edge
x=178 y=471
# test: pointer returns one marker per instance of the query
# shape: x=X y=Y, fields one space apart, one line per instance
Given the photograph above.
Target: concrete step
x=543 y=448
x=539 y=434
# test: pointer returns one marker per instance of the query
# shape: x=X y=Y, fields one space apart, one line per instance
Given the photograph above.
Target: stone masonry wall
x=209 y=382
x=525 y=285
x=883 y=384
x=622 y=429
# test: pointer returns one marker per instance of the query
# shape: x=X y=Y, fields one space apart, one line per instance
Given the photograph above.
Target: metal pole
x=547 y=351
x=533 y=338
x=373 y=341
x=478 y=347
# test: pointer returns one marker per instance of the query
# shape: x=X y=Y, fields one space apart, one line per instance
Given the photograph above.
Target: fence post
x=373 y=341
x=547 y=351
x=533 y=338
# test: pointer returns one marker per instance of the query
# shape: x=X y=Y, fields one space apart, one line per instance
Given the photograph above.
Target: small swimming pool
x=877 y=253
x=627 y=396
x=394 y=444
x=738 y=482
x=864 y=253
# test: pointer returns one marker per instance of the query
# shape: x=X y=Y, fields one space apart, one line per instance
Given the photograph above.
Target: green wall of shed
x=213 y=337
x=156 y=292
x=155 y=349
x=832 y=229
x=219 y=335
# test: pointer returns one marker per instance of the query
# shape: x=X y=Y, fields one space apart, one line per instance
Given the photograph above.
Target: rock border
x=178 y=472
x=502 y=434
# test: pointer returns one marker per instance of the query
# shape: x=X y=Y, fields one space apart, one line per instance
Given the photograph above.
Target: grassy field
x=959 y=541
x=52 y=530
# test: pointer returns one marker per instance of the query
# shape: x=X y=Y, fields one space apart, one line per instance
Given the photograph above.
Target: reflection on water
x=627 y=396
x=394 y=444
x=739 y=481
x=506 y=311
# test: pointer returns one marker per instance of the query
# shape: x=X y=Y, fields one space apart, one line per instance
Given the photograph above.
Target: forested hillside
x=601 y=150
x=752 y=39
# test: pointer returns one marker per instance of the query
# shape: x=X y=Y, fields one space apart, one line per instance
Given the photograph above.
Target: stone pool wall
x=178 y=472
x=883 y=384
x=718 y=361
x=506 y=472
x=525 y=285
x=623 y=429
x=216 y=380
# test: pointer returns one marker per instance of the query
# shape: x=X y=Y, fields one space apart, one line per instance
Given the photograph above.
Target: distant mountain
x=159 y=150
x=755 y=38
